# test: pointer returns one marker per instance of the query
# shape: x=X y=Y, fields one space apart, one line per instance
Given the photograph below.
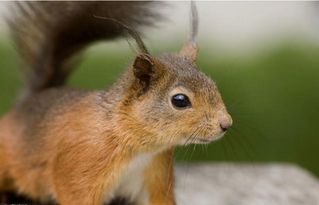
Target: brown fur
x=75 y=146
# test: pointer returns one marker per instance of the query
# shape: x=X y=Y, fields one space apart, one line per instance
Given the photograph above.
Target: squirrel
x=77 y=147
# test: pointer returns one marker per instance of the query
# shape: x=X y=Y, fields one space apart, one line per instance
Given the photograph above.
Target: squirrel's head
x=172 y=102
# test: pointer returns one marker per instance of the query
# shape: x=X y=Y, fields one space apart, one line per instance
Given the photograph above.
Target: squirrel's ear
x=190 y=51
x=143 y=69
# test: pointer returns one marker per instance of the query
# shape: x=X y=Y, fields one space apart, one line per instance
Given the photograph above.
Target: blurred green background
x=272 y=96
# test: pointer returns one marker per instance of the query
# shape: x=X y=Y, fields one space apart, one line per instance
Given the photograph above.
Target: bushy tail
x=49 y=34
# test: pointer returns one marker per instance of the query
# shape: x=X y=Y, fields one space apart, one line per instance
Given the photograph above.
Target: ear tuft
x=143 y=69
x=189 y=50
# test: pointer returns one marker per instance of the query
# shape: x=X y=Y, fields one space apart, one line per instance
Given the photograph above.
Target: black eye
x=181 y=101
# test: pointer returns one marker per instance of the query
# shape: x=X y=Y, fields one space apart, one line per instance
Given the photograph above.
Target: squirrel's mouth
x=207 y=140
x=203 y=139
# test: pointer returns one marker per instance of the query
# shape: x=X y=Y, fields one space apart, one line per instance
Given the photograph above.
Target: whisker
x=226 y=152
x=245 y=144
x=194 y=148
x=187 y=140
x=192 y=135
x=229 y=142
x=187 y=151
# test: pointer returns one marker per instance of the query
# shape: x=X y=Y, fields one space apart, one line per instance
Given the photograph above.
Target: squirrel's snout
x=225 y=122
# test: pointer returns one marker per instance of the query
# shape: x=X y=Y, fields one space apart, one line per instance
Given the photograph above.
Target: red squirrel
x=76 y=147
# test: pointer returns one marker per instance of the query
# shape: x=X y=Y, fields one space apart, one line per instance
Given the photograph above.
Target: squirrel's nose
x=225 y=123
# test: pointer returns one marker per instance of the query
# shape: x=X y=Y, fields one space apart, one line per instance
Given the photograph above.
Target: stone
x=245 y=184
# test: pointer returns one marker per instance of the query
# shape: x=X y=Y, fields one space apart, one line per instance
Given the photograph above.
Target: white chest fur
x=131 y=183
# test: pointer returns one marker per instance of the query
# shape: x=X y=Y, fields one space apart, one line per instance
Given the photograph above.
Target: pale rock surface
x=243 y=184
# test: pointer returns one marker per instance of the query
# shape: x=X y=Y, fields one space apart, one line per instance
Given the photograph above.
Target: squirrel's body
x=70 y=123
x=88 y=147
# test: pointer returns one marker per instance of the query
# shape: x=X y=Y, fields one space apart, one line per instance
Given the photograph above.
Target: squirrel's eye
x=181 y=101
